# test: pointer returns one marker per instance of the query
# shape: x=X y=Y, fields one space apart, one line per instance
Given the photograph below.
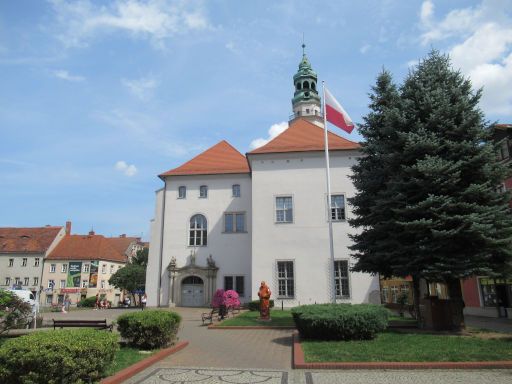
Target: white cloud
x=274 y=131
x=365 y=48
x=141 y=88
x=128 y=170
x=479 y=41
x=65 y=75
x=156 y=20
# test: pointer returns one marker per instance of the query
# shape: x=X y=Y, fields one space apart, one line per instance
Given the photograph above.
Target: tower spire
x=306 y=101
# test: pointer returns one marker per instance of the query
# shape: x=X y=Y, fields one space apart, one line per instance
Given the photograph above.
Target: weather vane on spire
x=303 y=45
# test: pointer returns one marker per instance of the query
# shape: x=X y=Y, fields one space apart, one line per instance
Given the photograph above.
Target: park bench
x=98 y=324
x=209 y=315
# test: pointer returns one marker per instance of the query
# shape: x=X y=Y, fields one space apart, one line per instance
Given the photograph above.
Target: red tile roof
x=221 y=158
x=304 y=136
x=33 y=240
x=86 y=247
x=121 y=244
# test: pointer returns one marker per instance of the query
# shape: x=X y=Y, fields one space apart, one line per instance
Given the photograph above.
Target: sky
x=99 y=97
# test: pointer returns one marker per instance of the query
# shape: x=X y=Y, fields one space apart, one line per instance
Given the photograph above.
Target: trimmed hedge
x=56 y=357
x=255 y=305
x=149 y=329
x=89 y=302
x=340 y=321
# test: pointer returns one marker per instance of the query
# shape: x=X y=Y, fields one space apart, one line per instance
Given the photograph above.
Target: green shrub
x=149 y=329
x=57 y=357
x=255 y=305
x=88 y=302
x=340 y=321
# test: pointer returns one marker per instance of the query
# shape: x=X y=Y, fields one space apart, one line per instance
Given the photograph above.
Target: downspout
x=161 y=247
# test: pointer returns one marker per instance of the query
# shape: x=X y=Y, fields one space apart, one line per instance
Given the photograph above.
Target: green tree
x=131 y=278
x=14 y=312
x=446 y=219
x=141 y=258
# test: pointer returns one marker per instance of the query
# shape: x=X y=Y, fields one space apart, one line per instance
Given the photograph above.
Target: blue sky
x=97 y=98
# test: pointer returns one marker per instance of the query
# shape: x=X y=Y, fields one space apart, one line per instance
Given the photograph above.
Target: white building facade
x=225 y=220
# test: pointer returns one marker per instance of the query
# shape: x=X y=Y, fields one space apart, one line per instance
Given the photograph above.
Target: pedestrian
x=97 y=303
x=143 y=301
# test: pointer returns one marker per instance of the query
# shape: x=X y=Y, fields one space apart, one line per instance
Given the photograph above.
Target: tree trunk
x=456 y=304
x=416 y=295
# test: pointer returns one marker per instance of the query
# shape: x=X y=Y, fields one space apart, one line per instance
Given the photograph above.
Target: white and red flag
x=335 y=114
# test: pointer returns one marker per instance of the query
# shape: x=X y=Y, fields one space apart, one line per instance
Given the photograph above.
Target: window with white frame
x=36 y=262
x=203 y=191
x=85 y=268
x=385 y=295
x=11 y=262
x=337 y=207
x=62 y=284
x=112 y=268
x=285 y=279
x=341 y=279
x=85 y=283
x=7 y=281
x=198 y=231
x=52 y=268
x=24 y=262
x=284 y=209
x=102 y=284
x=235 y=283
x=49 y=299
x=182 y=192
x=404 y=290
x=104 y=268
x=26 y=281
x=236 y=190
x=51 y=284
x=394 y=294
x=17 y=281
x=36 y=281
x=64 y=268
x=234 y=222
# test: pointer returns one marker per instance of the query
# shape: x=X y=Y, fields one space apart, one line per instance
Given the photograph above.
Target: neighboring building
x=225 y=220
x=22 y=254
x=391 y=289
x=126 y=245
x=484 y=296
x=80 y=266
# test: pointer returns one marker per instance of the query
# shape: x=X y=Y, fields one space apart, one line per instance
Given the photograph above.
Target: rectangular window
x=404 y=290
x=112 y=269
x=284 y=209
x=36 y=262
x=24 y=262
x=385 y=295
x=102 y=284
x=17 y=281
x=62 y=284
x=26 y=281
x=285 y=280
x=236 y=190
x=36 y=281
x=235 y=283
x=49 y=299
x=234 y=222
x=203 y=191
x=182 y=192
x=51 y=284
x=104 y=268
x=341 y=279
x=394 y=294
x=11 y=262
x=7 y=281
x=85 y=283
x=85 y=268
x=52 y=268
x=337 y=207
x=64 y=268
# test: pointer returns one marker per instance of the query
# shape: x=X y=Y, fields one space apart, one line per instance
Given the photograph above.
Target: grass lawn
x=248 y=319
x=394 y=346
x=125 y=357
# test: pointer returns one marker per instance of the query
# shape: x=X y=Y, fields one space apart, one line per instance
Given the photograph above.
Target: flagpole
x=329 y=212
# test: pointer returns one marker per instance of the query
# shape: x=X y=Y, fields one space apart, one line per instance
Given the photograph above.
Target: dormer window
x=203 y=191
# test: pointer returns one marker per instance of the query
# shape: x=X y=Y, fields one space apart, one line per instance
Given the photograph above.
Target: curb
x=299 y=363
x=213 y=326
x=132 y=370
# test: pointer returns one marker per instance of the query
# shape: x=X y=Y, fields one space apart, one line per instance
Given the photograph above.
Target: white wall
x=306 y=240
x=230 y=251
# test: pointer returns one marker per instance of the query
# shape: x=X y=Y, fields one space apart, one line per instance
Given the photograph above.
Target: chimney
x=123 y=235
x=91 y=233
x=68 y=227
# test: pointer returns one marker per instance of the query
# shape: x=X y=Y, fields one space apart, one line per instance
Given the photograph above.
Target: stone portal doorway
x=192 y=292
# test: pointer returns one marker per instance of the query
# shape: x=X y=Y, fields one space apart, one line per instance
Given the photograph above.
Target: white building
x=225 y=220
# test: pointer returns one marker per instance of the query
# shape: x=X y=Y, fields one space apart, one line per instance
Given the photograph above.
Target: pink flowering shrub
x=218 y=298
x=231 y=298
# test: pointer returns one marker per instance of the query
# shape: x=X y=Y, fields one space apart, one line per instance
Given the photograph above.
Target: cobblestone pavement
x=240 y=376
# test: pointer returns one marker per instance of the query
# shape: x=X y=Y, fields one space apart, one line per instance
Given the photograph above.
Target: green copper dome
x=305 y=82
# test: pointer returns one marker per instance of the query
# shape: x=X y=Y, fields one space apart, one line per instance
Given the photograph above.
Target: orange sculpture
x=264 y=295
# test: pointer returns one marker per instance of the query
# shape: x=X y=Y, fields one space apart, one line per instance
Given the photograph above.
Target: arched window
x=299 y=86
x=313 y=86
x=305 y=85
x=198 y=229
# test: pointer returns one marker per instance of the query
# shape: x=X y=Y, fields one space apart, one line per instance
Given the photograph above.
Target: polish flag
x=335 y=114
